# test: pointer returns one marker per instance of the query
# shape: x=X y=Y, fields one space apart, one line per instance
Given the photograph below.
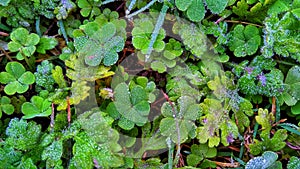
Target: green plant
x=199 y=153
x=142 y=34
x=267 y=161
x=99 y=44
x=261 y=78
x=280 y=35
x=6 y=106
x=195 y=9
x=43 y=76
x=89 y=8
x=276 y=143
x=23 y=43
x=214 y=121
x=37 y=107
x=46 y=43
x=244 y=40
x=192 y=36
x=178 y=122
x=254 y=11
x=131 y=104
x=161 y=61
x=293 y=163
x=16 y=78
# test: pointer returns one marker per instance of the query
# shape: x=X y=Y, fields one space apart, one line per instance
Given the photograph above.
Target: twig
x=3 y=34
x=107 y=1
x=228 y=165
x=69 y=111
x=141 y=10
x=246 y=23
x=6 y=54
x=273 y=106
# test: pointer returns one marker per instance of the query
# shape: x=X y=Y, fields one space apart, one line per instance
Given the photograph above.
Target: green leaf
x=52 y=154
x=158 y=66
x=267 y=159
x=296 y=108
x=6 y=78
x=294 y=163
x=4 y=2
x=14 y=46
x=27 y=78
x=38 y=107
x=46 y=43
x=244 y=40
x=32 y=40
x=15 y=68
x=22 y=135
x=216 y=7
x=194 y=9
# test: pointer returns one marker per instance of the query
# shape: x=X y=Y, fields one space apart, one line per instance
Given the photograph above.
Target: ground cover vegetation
x=150 y=84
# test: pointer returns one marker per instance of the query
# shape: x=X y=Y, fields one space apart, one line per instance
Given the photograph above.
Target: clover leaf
x=244 y=40
x=141 y=35
x=46 y=43
x=161 y=61
x=23 y=43
x=6 y=106
x=294 y=163
x=185 y=113
x=131 y=104
x=16 y=78
x=195 y=9
x=89 y=7
x=100 y=44
x=292 y=82
x=37 y=107
x=199 y=152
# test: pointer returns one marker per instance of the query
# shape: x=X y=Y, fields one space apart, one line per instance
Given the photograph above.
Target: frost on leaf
x=281 y=36
x=267 y=160
x=141 y=34
x=274 y=143
x=193 y=38
x=131 y=105
x=215 y=124
x=183 y=114
x=244 y=40
x=99 y=44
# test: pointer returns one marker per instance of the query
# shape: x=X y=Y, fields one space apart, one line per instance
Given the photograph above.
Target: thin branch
x=241 y=22
x=6 y=54
x=141 y=10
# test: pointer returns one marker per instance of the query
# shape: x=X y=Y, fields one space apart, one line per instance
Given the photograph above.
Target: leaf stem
x=241 y=22
x=141 y=10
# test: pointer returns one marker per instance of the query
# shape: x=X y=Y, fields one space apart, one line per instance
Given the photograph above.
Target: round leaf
x=15 y=68
x=27 y=78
